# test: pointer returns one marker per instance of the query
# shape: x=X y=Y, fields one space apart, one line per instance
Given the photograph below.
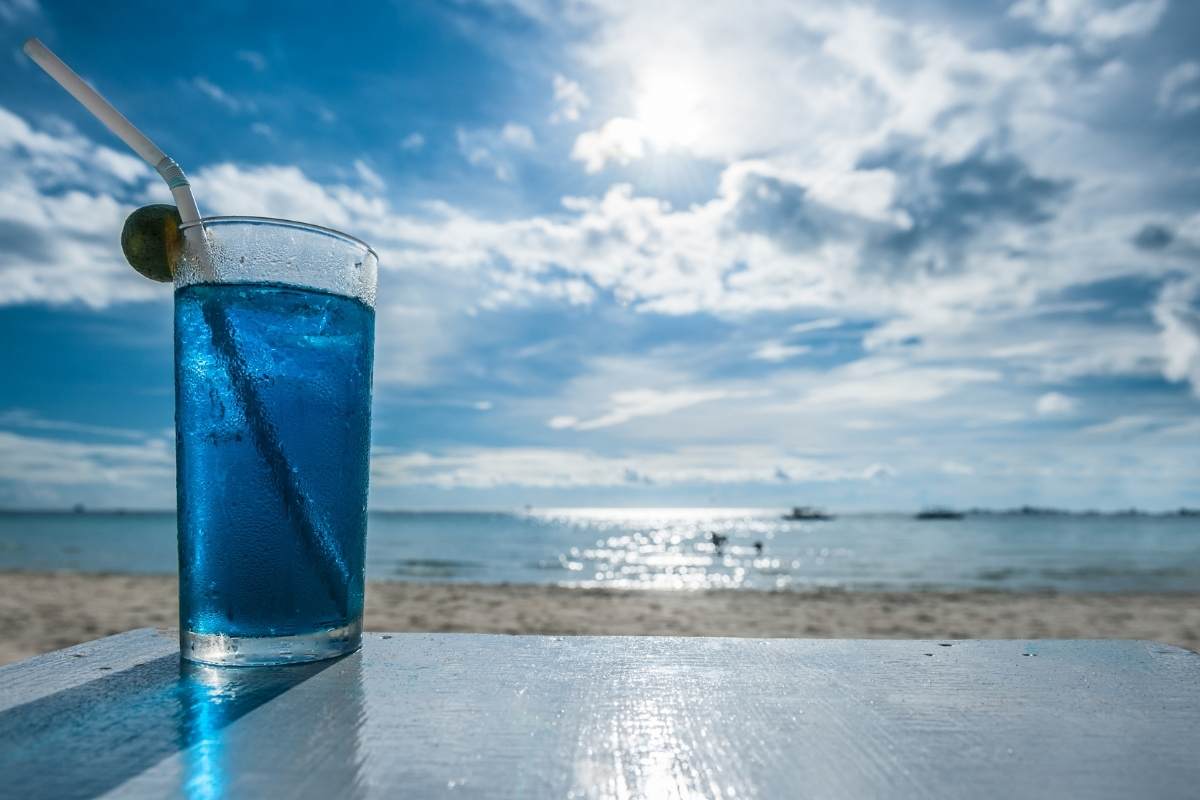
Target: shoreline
x=43 y=611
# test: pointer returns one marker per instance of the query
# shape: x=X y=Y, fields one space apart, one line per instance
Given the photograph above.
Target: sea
x=676 y=549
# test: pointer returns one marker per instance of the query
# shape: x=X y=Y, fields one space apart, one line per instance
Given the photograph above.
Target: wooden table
x=418 y=715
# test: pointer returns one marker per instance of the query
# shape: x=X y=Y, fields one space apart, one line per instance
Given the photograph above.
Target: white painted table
x=418 y=715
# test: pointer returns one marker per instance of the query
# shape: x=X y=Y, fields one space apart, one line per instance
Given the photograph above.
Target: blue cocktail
x=274 y=335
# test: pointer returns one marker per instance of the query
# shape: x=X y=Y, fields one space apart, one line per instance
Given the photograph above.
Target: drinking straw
x=116 y=122
x=322 y=547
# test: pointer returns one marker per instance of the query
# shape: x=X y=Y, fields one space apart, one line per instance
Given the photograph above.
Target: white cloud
x=220 y=96
x=886 y=383
x=1132 y=423
x=263 y=129
x=24 y=419
x=280 y=192
x=256 y=60
x=519 y=136
x=1095 y=22
x=1054 y=403
x=496 y=149
x=554 y=468
x=61 y=218
x=633 y=403
x=149 y=464
x=864 y=425
x=13 y=10
x=619 y=140
x=957 y=468
x=816 y=325
x=569 y=98
x=370 y=178
x=1178 y=315
x=1179 y=92
x=126 y=168
x=776 y=351
x=414 y=141
x=878 y=472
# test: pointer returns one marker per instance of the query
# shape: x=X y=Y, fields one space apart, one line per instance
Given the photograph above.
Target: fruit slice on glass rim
x=152 y=241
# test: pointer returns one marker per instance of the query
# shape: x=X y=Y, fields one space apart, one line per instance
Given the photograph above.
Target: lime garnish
x=152 y=241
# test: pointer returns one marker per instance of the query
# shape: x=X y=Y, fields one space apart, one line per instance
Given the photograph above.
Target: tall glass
x=274 y=341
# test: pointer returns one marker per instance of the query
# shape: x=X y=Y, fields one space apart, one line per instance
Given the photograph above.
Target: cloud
x=948 y=203
x=1132 y=423
x=570 y=100
x=220 y=96
x=1153 y=237
x=370 y=178
x=256 y=60
x=518 y=136
x=25 y=419
x=776 y=351
x=883 y=382
x=479 y=468
x=619 y=141
x=41 y=461
x=1177 y=313
x=1054 y=404
x=633 y=403
x=1179 y=92
x=878 y=472
x=279 y=191
x=14 y=10
x=933 y=194
x=1095 y=22
x=957 y=468
x=813 y=325
x=60 y=214
x=496 y=149
x=784 y=212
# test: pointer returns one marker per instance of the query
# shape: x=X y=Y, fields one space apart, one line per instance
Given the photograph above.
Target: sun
x=667 y=105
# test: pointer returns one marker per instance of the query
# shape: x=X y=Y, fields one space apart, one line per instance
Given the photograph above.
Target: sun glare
x=667 y=105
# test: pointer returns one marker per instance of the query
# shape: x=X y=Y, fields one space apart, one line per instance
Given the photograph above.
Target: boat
x=939 y=513
x=807 y=513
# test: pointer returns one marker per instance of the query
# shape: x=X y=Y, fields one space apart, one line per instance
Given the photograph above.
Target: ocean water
x=672 y=549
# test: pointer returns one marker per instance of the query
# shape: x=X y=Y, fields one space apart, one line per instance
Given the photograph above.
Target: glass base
x=253 y=651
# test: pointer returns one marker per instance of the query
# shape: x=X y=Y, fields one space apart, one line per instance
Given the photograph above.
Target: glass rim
x=283 y=223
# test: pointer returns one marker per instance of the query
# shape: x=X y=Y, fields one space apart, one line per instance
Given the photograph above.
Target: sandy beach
x=46 y=611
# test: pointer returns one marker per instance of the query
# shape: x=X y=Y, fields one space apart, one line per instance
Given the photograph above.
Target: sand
x=45 y=611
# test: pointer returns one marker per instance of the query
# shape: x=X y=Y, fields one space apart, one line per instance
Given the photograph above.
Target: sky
x=872 y=255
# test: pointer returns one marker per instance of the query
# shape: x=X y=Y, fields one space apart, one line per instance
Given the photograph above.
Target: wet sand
x=46 y=611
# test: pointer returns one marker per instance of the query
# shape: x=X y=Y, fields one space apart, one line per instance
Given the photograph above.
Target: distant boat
x=939 y=513
x=807 y=513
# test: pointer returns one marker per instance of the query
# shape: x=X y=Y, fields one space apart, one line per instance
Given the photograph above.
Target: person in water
x=758 y=548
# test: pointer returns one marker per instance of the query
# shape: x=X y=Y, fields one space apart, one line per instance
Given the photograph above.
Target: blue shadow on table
x=84 y=741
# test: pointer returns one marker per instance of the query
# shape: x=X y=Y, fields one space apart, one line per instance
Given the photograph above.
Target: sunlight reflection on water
x=684 y=548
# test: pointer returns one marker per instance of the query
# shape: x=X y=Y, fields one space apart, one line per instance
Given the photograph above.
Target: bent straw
x=326 y=556
x=116 y=122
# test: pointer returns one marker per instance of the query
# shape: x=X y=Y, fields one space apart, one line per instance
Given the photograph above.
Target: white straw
x=115 y=121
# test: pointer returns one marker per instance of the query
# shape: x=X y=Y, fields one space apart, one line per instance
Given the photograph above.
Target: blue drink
x=273 y=399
